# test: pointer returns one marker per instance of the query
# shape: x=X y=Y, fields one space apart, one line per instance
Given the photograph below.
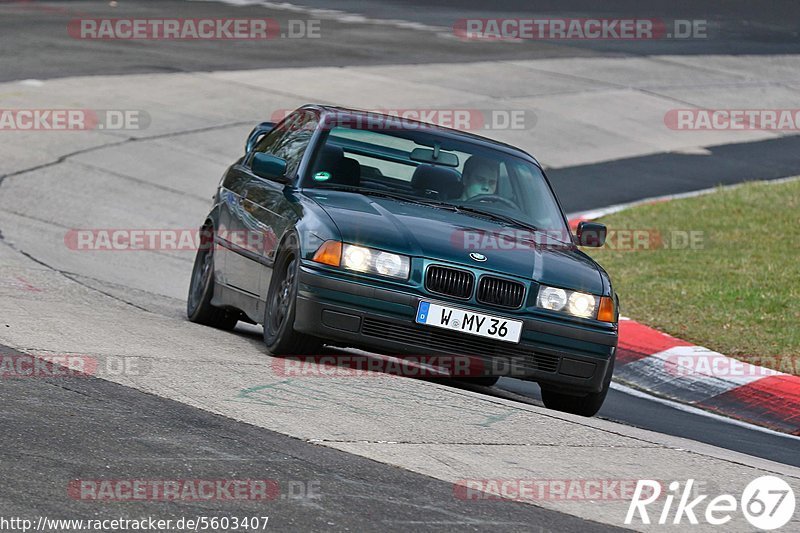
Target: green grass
x=738 y=292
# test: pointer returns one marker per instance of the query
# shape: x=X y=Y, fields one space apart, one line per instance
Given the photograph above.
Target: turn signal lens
x=330 y=253
x=606 y=311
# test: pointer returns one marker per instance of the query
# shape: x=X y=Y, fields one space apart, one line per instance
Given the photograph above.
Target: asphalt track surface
x=672 y=418
x=54 y=424
x=35 y=45
x=585 y=187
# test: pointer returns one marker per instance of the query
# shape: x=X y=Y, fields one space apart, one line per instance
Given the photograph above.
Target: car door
x=228 y=222
x=265 y=212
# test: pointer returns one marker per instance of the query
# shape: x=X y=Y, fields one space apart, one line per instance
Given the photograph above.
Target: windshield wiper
x=390 y=194
x=496 y=216
x=432 y=203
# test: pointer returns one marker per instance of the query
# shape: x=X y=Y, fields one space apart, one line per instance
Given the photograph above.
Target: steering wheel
x=495 y=198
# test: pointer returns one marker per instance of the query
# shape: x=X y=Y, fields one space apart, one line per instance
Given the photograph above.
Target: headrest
x=445 y=181
x=343 y=170
x=349 y=172
x=329 y=158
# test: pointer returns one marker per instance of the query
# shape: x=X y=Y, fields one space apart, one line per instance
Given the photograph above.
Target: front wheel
x=587 y=405
x=279 y=334
x=201 y=288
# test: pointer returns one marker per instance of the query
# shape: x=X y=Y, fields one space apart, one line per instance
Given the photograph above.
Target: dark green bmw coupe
x=358 y=229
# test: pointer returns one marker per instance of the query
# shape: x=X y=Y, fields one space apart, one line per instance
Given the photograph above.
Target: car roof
x=445 y=132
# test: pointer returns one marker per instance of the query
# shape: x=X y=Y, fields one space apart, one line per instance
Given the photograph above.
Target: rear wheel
x=587 y=405
x=201 y=288
x=279 y=334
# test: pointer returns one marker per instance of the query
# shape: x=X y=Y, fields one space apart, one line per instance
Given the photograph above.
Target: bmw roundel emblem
x=478 y=257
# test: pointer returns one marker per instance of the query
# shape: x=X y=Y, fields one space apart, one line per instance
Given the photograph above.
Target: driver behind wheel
x=479 y=177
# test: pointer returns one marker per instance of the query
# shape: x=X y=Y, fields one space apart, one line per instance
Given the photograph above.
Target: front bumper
x=345 y=312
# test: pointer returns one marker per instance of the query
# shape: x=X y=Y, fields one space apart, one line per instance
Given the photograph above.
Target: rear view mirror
x=591 y=234
x=269 y=167
x=434 y=156
x=255 y=135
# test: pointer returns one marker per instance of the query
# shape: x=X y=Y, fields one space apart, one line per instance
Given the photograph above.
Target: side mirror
x=269 y=167
x=255 y=135
x=591 y=234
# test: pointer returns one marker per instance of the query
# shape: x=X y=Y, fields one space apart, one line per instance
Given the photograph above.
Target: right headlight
x=576 y=303
x=363 y=259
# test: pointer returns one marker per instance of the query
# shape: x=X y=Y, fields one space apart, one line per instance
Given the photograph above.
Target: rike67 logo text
x=767 y=503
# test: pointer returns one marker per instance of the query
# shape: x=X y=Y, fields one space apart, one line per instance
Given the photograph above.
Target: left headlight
x=575 y=303
x=363 y=259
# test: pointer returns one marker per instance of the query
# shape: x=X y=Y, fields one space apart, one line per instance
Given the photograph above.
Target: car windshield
x=422 y=166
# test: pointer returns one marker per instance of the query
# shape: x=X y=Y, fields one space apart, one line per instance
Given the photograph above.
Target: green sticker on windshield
x=322 y=176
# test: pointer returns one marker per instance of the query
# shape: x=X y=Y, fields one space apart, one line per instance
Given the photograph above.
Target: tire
x=201 y=288
x=280 y=336
x=587 y=405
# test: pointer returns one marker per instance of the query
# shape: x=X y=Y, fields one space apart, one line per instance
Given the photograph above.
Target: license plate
x=455 y=319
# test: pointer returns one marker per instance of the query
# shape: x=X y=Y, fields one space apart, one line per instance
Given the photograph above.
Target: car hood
x=423 y=231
